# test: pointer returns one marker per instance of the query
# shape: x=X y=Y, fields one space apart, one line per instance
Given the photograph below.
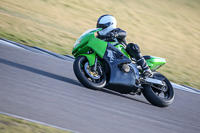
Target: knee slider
x=134 y=50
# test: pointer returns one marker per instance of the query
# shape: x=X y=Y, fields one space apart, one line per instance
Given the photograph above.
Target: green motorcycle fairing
x=88 y=42
x=121 y=48
x=155 y=62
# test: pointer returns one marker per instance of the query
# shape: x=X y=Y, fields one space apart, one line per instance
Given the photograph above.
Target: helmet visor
x=103 y=26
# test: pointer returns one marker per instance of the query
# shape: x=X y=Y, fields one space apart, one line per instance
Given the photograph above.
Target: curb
x=53 y=54
x=69 y=56
x=191 y=88
x=18 y=44
x=180 y=87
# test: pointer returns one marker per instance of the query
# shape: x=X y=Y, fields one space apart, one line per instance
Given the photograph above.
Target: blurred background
x=165 y=28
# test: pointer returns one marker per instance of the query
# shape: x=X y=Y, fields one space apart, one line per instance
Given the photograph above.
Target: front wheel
x=91 y=79
x=161 y=96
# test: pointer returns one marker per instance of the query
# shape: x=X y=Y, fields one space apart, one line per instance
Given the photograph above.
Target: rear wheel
x=91 y=79
x=161 y=96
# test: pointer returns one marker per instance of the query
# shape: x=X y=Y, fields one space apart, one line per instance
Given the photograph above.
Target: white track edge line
x=38 y=122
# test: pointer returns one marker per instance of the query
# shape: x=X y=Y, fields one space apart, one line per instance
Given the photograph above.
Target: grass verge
x=13 y=125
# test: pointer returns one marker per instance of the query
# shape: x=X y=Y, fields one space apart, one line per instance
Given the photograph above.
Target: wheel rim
x=161 y=91
x=93 y=77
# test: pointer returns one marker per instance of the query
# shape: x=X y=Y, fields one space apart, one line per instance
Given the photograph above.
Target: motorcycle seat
x=146 y=57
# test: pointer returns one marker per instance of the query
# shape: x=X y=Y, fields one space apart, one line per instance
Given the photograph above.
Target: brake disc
x=88 y=70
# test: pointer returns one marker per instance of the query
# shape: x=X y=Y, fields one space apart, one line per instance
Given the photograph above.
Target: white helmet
x=107 y=23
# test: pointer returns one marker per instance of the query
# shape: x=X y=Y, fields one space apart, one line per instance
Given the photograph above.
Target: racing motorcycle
x=100 y=64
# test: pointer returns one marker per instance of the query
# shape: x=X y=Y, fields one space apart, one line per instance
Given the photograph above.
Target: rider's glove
x=111 y=35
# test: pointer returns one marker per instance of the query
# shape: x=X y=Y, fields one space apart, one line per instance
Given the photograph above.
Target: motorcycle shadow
x=123 y=95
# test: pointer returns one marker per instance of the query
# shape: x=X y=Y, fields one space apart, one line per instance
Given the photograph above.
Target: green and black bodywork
x=95 y=58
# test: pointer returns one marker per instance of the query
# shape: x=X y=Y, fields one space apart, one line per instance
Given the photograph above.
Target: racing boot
x=134 y=51
x=146 y=70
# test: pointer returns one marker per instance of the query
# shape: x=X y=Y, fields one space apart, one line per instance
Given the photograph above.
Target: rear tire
x=83 y=75
x=157 y=97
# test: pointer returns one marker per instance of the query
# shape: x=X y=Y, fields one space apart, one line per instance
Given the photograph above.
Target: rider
x=110 y=33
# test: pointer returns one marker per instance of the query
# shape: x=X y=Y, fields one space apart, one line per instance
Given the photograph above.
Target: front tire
x=93 y=80
x=159 y=97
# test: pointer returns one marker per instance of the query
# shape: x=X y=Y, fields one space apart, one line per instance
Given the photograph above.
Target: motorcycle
x=100 y=64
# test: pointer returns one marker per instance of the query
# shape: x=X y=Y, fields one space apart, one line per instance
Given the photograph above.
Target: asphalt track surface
x=45 y=89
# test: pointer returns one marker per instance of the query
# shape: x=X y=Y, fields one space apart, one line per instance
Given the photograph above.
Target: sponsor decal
x=110 y=55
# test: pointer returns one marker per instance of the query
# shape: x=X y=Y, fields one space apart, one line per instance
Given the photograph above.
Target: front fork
x=97 y=66
x=93 y=61
x=94 y=67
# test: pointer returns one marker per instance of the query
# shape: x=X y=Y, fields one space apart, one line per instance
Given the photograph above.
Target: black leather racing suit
x=131 y=48
x=117 y=33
